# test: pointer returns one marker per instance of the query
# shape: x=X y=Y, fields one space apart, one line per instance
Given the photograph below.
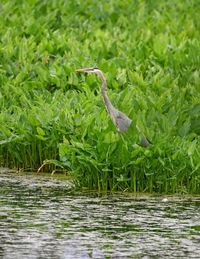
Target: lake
x=43 y=217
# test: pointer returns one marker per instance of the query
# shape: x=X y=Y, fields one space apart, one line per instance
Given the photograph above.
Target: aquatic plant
x=149 y=52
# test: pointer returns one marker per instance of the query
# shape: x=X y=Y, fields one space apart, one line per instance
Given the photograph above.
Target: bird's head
x=90 y=70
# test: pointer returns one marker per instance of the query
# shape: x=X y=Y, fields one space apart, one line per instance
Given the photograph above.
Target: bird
x=120 y=119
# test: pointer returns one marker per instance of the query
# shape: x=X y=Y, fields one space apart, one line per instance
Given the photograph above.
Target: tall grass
x=149 y=51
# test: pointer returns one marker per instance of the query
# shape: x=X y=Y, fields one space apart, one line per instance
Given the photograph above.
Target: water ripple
x=41 y=218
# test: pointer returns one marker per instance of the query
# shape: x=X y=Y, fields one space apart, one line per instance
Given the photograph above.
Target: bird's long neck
x=107 y=102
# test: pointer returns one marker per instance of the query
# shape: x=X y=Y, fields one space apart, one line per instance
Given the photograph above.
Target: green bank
x=149 y=52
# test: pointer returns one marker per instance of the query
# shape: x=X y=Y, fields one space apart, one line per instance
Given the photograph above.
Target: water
x=41 y=217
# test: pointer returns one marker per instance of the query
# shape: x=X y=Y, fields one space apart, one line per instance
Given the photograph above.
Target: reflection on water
x=41 y=218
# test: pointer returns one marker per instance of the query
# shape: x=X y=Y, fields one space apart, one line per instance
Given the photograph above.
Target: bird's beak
x=84 y=70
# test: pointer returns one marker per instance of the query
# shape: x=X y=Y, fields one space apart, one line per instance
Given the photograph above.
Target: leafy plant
x=51 y=116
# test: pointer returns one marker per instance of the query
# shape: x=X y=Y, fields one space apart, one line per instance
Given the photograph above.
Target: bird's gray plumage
x=120 y=119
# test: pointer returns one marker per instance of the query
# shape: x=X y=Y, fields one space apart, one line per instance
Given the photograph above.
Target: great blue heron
x=120 y=120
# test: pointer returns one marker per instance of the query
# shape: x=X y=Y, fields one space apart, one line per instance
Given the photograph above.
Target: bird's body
x=120 y=119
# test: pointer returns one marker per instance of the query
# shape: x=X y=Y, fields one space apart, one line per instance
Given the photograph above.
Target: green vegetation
x=150 y=54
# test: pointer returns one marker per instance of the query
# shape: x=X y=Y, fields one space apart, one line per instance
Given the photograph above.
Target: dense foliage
x=149 y=51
